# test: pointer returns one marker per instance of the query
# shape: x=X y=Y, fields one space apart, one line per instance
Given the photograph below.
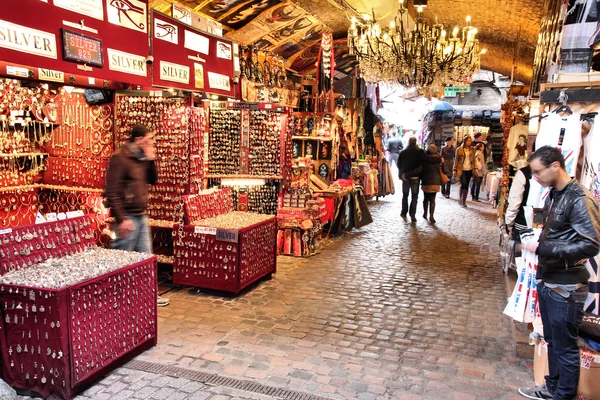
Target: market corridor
x=393 y=311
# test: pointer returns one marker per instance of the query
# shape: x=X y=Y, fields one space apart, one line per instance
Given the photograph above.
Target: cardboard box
x=589 y=376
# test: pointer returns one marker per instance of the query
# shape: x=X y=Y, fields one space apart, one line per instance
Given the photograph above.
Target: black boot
x=425 y=202
x=432 y=211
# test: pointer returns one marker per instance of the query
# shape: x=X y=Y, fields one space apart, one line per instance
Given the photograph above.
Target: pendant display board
x=179 y=137
x=251 y=141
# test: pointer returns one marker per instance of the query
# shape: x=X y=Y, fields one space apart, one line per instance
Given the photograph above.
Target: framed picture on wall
x=325 y=150
x=311 y=147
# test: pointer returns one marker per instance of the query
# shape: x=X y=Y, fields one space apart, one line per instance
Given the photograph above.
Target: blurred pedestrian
x=431 y=180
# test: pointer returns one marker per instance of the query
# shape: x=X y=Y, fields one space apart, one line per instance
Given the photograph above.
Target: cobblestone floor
x=393 y=311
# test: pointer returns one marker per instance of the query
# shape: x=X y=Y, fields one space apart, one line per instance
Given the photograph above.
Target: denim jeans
x=465 y=178
x=412 y=186
x=561 y=318
x=137 y=240
x=476 y=187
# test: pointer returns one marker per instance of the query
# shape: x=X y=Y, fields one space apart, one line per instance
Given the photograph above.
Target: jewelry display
x=261 y=199
x=224 y=137
x=24 y=246
x=202 y=259
x=56 y=273
x=54 y=339
x=179 y=132
x=233 y=220
x=207 y=204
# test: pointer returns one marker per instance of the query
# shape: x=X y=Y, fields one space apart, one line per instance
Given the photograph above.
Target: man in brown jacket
x=130 y=170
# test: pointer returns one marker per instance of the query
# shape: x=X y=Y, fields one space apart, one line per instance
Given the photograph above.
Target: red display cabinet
x=226 y=260
x=55 y=342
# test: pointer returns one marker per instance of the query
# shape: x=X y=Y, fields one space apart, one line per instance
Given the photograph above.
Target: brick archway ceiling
x=508 y=29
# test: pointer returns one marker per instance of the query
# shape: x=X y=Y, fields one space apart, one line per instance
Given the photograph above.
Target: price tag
x=39 y=219
x=61 y=216
x=79 y=213
x=72 y=214
x=268 y=106
x=205 y=231
x=5 y=231
x=51 y=217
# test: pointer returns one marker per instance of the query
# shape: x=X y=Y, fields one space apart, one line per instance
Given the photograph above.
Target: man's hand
x=125 y=227
x=530 y=246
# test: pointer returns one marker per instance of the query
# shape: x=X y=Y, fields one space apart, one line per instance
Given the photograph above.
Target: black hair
x=138 y=131
x=448 y=139
x=548 y=155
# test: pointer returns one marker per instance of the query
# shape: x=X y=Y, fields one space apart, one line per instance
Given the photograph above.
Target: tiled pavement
x=393 y=311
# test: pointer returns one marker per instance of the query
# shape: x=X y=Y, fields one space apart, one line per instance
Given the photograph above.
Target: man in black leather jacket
x=570 y=236
x=410 y=165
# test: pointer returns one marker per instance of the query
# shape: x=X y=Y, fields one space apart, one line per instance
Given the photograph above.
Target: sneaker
x=536 y=393
x=161 y=302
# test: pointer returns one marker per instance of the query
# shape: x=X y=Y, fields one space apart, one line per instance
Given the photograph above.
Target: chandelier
x=421 y=56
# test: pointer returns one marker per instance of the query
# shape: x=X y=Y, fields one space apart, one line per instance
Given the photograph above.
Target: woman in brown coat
x=464 y=164
x=431 y=181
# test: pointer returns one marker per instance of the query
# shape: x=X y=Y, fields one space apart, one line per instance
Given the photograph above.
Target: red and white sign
x=90 y=8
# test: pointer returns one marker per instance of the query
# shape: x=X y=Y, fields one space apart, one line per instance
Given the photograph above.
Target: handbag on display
x=590 y=327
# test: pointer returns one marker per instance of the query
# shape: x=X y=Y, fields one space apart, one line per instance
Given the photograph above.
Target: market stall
x=86 y=309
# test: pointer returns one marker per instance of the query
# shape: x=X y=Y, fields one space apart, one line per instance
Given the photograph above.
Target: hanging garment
x=564 y=133
x=591 y=180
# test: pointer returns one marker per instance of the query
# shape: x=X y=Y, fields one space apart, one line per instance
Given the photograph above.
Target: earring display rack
x=77 y=333
x=179 y=132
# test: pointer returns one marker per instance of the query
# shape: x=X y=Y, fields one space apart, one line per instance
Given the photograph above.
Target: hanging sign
x=130 y=14
x=198 y=76
x=127 y=63
x=91 y=8
x=181 y=13
x=50 y=75
x=224 y=50
x=218 y=81
x=27 y=40
x=174 y=72
x=453 y=91
x=80 y=48
x=73 y=37
x=190 y=59
x=165 y=31
x=195 y=42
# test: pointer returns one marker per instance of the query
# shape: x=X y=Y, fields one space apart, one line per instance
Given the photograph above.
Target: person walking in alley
x=393 y=146
x=410 y=165
x=463 y=168
x=570 y=236
x=448 y=153
x=478 y=171
x=130 y=170
x=431 y=180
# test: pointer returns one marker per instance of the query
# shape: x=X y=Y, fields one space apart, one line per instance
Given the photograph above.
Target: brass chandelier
x=418 y=56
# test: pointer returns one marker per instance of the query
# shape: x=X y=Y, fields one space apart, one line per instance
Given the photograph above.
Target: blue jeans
x=561 y=318
x=412 y=186
x=138 y=240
